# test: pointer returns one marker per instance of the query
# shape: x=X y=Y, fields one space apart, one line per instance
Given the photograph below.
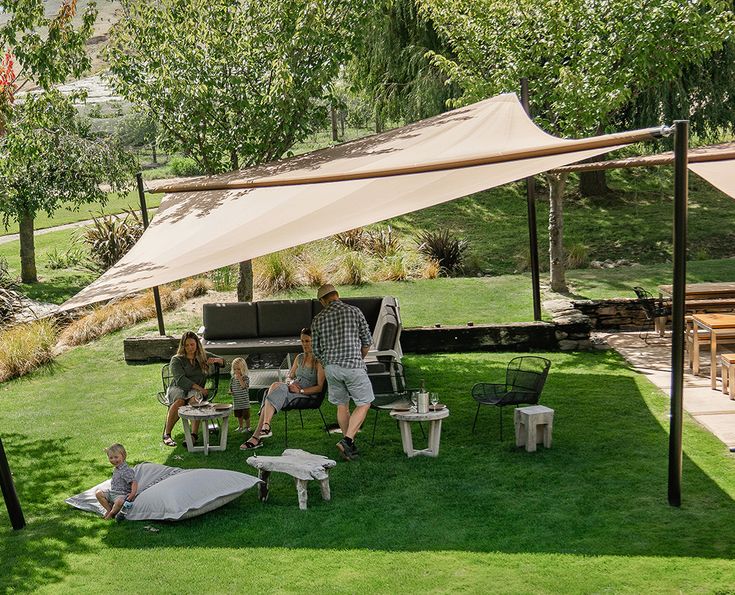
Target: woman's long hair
x=307 y=331
x=200 y=355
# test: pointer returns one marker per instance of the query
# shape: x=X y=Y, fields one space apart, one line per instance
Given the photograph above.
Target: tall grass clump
x=440 y=246
x=353 y=239
x=275 y=272
x=577 y=256
x=110 y=237
x=225 y=278
x=353 y=269
x=382 y=242
x=394 y=268
x=10 y=298
x=126 y=312
x=25 y=347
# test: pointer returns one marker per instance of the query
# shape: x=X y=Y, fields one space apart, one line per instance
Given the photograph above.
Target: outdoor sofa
x=240 y=328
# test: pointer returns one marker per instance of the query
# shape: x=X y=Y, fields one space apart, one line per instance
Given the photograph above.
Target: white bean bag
x=172 y=494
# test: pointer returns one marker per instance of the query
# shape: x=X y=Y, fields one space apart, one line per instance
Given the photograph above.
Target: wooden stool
x=528 y=420
x=727 y=361
x=299 y=464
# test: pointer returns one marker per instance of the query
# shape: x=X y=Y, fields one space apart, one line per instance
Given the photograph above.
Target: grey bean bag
x=172 y=494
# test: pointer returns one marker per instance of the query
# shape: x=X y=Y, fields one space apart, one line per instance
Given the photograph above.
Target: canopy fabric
x=714 y=163
x=212 y=222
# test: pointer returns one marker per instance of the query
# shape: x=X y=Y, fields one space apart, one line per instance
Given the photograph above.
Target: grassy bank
x=589 y=515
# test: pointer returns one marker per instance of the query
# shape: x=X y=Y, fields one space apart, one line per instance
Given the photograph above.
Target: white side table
x=299 y=464
x=434 y=418
x=187 y=413
x=528 y=422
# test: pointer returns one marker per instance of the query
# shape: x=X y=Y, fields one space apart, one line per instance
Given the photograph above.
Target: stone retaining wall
x=612 y=314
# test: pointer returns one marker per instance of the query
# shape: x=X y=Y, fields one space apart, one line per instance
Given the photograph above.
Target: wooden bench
x=727 y=361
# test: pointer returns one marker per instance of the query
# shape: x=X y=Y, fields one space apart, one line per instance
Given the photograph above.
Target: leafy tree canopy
x=392 y=64
x=48 y=156
x=585 y=59
x=231 y=82
x=49 y=49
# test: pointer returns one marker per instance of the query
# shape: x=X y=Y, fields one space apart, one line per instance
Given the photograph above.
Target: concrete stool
x=727 y=361
x=299 y=464
x=528 y=421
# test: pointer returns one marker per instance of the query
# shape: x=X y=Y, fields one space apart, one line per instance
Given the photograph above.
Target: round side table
x=187 y=413
x=434 y=418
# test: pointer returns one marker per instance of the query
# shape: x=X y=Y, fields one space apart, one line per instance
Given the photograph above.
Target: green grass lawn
x=589 y=515
x=115 y=204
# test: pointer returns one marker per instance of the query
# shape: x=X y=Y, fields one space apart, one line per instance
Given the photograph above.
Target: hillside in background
x=107 y=15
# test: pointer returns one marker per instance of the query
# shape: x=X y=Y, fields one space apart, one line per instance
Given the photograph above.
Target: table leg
x=519 y=428
x=406 y=438
x=264 y=476
x=731 y=384
x=547 y=433
x=205 y=437
x=531 y=435
x=326 y=492
x=302 y=493
x=713 y=359
x=224 y=425
x=187 y=434
x=435 y=434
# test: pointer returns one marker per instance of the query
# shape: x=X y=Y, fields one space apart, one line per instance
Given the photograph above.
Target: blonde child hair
x=241 y=364
x=116 y=449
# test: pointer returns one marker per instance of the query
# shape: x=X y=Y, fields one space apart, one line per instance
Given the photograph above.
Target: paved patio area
x=711 y=408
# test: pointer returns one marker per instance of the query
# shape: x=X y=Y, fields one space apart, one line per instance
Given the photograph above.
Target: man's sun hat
x=325 y=290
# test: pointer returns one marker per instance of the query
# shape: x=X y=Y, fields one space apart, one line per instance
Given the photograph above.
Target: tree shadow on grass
x=44 y=474
x=601 y=489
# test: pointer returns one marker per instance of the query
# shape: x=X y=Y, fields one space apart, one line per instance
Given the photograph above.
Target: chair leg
x=476 y=414
x=302 y=419
x=501 y=423
x=285 y=431
x=324 y=421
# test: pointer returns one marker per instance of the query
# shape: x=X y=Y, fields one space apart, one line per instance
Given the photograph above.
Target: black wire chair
x=525 y=377
x=656 y=312
x=305 y=403
x=211 y=383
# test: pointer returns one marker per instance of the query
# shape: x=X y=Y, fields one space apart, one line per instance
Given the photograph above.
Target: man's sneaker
x=348 y=452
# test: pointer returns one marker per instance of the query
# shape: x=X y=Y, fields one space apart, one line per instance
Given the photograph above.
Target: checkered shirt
x=338 y=333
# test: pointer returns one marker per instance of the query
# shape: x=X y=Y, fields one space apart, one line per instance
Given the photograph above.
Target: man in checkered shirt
x=340 y=340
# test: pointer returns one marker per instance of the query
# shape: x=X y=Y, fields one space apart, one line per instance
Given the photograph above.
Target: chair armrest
x=374 y=354
x=200 y=330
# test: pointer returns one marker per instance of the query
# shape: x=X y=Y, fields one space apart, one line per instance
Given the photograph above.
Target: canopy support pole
x=681 y=179
x=9 y=495
x=532 y=227
x=156 y=294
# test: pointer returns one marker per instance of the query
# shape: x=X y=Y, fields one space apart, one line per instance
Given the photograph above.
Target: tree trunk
x=593 y=183
x=245 y=282
x=154 y=154
x=234 y=162
x=27 y=249
x=333 y=115
x=342 y=122
x=556 y=231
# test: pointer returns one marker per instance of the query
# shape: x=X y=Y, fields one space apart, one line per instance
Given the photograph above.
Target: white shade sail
x=212 y=222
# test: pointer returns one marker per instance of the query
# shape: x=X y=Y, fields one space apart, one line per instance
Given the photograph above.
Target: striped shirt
x=338 y=333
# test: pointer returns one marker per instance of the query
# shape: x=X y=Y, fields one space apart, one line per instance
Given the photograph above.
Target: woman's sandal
x=265 y=431
x=168 y=441
x=251 y=445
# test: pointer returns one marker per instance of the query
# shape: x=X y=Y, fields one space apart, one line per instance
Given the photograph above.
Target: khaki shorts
x=344 y=384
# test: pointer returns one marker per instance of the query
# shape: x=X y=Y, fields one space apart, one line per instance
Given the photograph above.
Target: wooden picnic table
x=714 y=324
x=704 y=297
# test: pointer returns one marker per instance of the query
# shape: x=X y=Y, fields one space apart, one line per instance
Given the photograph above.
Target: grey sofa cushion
x=387 y=333
x=233 y=320
x=283 y=318
x=370 y=307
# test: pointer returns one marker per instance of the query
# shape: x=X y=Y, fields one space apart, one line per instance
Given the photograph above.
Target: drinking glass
x=434 y=398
